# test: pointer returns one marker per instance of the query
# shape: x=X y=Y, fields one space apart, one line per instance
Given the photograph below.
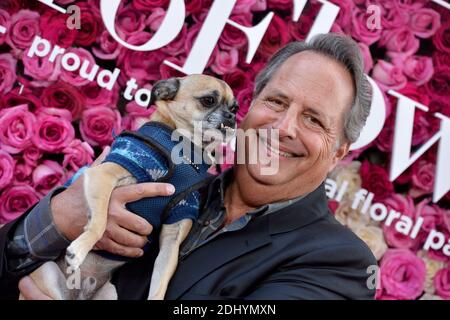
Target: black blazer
x=299 y=252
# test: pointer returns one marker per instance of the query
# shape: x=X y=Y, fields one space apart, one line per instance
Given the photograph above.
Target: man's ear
x=165 y=90
x=340 y=153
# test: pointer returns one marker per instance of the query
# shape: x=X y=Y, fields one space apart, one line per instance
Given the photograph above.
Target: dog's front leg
x=99 y=182
x=170 y=239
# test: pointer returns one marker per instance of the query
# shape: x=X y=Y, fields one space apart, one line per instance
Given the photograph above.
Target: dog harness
x=148 y=155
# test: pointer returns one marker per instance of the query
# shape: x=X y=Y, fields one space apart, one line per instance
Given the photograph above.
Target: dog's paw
x=75 y=256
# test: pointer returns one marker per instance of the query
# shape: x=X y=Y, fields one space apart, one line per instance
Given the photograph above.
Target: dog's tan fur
x=100 y=181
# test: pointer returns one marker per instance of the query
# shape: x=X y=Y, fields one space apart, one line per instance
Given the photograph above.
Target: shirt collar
x=220 y=183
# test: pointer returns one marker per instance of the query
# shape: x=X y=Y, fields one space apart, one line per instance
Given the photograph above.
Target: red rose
x=422 y=178
x=277 y=35
x=97 y=125
x=97 y=96
x=13 y=98
x=439 y=85
x=130 y=21
x=238 y=80
x=280 y=4
x=62 y=95
x=54 y=28
x=5 y=22
x=244 y=98
x=149 y=5
x=441 y=39
x=91 y=26
x=195 y=6
x=16 y=200
x=375 y=179
x=233 y=37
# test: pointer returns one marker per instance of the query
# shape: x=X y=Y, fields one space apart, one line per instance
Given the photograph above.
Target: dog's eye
x=208 y=101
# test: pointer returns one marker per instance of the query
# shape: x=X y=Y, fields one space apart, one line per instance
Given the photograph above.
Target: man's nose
x=286 y=125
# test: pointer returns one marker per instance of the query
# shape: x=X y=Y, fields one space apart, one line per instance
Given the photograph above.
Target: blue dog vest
x=147 y=155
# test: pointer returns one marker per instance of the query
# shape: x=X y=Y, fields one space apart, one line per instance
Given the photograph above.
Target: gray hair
x=345 y=51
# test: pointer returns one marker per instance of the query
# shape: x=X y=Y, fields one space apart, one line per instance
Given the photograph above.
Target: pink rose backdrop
x=58 y=121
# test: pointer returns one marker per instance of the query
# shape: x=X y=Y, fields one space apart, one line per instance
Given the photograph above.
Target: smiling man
x=259 y=236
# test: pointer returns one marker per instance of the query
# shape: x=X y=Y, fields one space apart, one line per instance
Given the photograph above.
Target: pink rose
x=91 y=26
x=31 y=155
x=141 y=65
x=419 y=69
x=24 y=27
x=41 y=69
x=22 y=172
x=62 y=95
x=136 y=116
x=259 y=5
x=415 y=93
x=400 y=40
x=375 y=179
x=276 y=36
x=344 y=18
x=441 y=38
x=360 y=30
x=422 y=178
x=388 y=76
x=97 y=96
x=149 y=5
x=155 y=19
x=7 y=72
x=106 y=47
x=167 y=72
x=16 y=200
x=53 y=130
x=432 y=215
x=442 y=283
x=176 y=46
x=5 y=22
x=16 y=128
x=97 y=125
x=367 y=57
x=77 y=154
x=6 y=169
x=13 y=98
x=233 y=38
x=402 y=274
x=385 y=138
x=54 y=28
x=439 y=85
x=226 y=61
x=48 y=175
x=243 y=6
x=393 y=16
x=424 y=22
x=405 y=206
x=74 y=78
x=130 y=21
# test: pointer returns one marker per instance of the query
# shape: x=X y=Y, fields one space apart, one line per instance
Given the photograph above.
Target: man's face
x=306 y=100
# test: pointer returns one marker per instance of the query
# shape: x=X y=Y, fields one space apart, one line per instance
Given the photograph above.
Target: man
x=258 y=236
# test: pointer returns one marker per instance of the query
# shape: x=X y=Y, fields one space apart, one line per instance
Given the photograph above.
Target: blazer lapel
x=212 y=255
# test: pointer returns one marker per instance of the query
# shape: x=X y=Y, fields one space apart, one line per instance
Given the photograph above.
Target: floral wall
x=53 y=121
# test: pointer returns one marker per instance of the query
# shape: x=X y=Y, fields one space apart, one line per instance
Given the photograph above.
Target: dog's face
x=197 y=99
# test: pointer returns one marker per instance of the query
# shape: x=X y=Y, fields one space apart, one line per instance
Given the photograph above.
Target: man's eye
x=314 y=120
x=208 y=101
x=276 y=103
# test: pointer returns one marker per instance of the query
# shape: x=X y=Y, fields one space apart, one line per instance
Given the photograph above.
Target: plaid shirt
x=37 y=239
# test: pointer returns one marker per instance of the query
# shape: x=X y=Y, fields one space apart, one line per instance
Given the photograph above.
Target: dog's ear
x=165 y=90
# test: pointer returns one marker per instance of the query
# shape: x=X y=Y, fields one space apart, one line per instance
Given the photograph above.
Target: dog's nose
x=228 y=115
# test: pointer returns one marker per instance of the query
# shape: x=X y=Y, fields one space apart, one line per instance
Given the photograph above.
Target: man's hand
x=30 y=291
x=126 y=233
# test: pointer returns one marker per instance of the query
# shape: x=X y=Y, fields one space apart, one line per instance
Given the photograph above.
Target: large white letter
x=324 y=20
x=210 y=33
x=52 y=5
x=401 y=153
x=169 y=29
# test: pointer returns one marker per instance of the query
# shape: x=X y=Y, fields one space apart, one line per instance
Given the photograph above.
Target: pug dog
x=85 y=274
